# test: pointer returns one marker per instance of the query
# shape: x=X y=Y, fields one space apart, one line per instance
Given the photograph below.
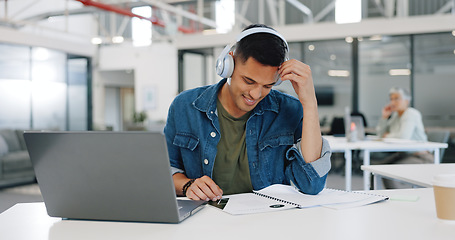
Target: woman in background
x=399 y=120
x=404 y=122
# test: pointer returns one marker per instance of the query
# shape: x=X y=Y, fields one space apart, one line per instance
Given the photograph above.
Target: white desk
x=419 y=175
x=384 y=220
x=339 y=144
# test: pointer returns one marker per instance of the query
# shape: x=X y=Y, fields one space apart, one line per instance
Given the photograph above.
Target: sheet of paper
x=325 y=197
x=279 y=197
x=248 y=203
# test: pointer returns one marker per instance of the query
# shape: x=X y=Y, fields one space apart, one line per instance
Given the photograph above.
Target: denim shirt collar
x=206 y=102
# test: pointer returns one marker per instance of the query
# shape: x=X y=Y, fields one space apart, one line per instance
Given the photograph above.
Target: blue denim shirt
x=274 y=127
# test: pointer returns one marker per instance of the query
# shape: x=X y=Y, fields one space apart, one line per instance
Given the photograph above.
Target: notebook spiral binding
x=277 y=199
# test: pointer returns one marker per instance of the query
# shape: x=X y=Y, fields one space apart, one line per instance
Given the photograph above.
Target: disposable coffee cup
x=444 y=196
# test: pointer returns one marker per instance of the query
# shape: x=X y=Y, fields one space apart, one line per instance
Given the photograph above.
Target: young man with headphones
x=239 y=134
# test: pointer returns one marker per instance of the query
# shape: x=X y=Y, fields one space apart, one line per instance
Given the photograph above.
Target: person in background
x=404 y=122
x=240 y=134
x=399 y=120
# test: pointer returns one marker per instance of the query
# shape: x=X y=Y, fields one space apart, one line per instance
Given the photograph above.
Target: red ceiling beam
x=128 y=13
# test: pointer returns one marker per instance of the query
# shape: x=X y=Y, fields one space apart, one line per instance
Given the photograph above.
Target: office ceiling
x=198 y=15
x=113 y=17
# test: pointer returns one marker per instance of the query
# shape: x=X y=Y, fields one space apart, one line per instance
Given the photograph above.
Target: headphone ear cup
x=228 y=66
x=225 y=63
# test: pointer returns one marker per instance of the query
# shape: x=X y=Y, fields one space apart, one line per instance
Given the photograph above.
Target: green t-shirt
x=231 y=171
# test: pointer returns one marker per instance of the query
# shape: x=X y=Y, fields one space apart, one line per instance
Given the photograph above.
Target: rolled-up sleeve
x=175 y=170
x=311 y=177
x=322 y=165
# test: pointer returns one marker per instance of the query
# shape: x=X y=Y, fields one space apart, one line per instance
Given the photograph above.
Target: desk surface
x=340 y=144
x=386 y=220
x=417 y=174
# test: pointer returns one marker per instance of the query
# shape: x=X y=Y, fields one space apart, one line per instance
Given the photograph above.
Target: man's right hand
x=204 y=188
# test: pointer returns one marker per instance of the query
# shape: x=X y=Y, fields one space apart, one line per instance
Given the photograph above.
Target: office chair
x=337 y=129
x=441 y=136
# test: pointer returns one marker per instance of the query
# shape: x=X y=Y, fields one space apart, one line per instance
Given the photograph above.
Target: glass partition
x=35 y=85
x=331 y=66
x=77 y=94
x=384 y=62
x=15 y=86
x=434 y=78
x=48 y=89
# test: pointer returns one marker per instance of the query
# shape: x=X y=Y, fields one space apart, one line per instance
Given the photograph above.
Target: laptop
x=113 y=176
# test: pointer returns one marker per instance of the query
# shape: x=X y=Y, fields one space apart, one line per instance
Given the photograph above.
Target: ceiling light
x=349 y=39
x=117 y=39
x=453 y=51
x=338 y=73
x=376 y=38
x=453 y=33
x=400 y=72
x=209 y=32
x=311 y=47
x=348 y=11
x=41 y=54
x=96 y=41
x=333 y=57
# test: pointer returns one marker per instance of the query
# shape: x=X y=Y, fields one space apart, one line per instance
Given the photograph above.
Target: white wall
x=156 y=75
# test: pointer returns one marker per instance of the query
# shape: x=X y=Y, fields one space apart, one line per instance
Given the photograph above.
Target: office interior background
x=91 y=65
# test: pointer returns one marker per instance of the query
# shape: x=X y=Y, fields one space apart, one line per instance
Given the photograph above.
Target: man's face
x=250 y=83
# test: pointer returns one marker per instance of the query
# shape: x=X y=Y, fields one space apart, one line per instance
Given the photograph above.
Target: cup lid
x=444 y=180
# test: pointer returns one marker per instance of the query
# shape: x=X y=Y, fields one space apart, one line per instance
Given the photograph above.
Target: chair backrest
x=441 y=136
x=337 y=127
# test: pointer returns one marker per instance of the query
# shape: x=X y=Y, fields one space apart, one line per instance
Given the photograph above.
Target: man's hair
x=403 y=92
x=265 y=48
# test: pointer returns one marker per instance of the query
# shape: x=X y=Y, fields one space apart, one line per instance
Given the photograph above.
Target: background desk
x=416 y=174
x=380 y=221
x=339 y=144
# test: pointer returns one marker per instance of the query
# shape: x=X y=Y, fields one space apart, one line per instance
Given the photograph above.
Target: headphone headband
x=225 y=62
x=250 y=31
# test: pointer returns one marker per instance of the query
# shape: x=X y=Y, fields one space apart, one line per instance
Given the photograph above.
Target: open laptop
x=118 y=176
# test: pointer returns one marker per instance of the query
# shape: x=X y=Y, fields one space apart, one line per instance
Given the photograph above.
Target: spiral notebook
x=279 y=197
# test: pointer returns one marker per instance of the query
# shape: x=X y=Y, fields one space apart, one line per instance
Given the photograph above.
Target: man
x=239 y=134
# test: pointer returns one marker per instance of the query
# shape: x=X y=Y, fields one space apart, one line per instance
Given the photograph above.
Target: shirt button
x=206 y=161
x=213 y=134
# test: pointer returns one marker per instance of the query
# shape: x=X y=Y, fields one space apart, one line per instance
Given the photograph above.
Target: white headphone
x=225 y=62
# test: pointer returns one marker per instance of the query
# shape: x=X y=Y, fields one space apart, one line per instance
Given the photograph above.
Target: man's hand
x=301 y=78
x=203 y=188
x=302 y=81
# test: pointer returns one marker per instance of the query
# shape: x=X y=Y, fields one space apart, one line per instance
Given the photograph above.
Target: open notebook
x=279 y=197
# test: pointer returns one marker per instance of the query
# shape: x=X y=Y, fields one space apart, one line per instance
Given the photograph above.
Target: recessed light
x=400 y=72
x=338 y=73
x=97 y=40
x=117 y=39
